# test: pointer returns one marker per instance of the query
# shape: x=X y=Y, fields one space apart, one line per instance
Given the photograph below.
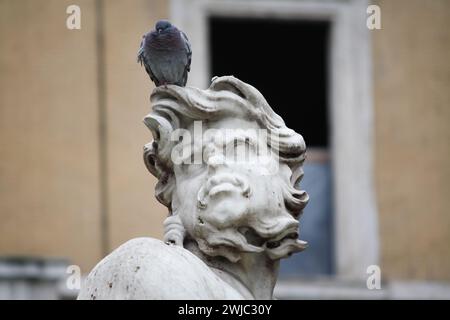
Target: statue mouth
x=256 y=239
x=247 y=240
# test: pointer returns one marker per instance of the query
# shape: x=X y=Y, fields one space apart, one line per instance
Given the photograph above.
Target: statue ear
x=150 y=158
x=161 y=130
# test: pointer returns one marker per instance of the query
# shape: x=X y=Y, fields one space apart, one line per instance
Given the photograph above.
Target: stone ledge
x=335 y=288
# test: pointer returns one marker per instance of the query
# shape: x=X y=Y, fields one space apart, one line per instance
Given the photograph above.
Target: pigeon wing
x=143 y=57
x=187 y=47
x=187 y=67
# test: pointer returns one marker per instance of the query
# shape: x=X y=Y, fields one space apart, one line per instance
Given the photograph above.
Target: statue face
x=230 y=191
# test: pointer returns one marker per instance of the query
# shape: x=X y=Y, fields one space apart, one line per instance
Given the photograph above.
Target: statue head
x=228 y=170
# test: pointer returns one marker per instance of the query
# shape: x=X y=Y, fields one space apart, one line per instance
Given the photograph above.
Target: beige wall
x=412 y=118
x=133 y=209
x=50 y=177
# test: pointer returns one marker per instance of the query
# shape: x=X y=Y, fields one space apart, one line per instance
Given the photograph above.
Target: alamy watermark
x=374 y=279
x=73 y=21
x=251 y=146
x=73 y=281
x=374 y=19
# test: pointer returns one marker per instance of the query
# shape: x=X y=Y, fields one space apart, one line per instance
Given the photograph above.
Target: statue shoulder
x=147 y=268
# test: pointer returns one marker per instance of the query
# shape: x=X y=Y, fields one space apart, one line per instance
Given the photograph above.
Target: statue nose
x=216 y=161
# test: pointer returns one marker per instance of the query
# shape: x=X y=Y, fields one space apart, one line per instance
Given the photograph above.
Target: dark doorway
x=286 y=60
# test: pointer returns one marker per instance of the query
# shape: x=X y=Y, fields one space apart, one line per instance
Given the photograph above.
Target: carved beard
x=229 y=220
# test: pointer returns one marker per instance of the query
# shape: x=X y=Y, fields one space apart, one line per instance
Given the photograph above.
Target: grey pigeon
x=166 y=54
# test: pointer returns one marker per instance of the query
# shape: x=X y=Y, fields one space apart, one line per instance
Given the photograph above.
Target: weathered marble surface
x=228 y=170
x=146 y=268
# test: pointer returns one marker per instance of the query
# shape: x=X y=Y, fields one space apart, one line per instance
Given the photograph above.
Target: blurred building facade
x=72 y=181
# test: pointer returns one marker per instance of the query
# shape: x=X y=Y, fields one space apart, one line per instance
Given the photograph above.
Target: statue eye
x=239 y=141
x=189 y=165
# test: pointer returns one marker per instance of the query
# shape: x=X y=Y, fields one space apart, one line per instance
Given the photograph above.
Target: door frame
x=355 y=219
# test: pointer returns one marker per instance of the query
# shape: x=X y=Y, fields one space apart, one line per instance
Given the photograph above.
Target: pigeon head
x=162 y=25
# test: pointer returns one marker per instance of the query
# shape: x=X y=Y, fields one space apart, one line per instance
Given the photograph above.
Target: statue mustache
x=221 y=183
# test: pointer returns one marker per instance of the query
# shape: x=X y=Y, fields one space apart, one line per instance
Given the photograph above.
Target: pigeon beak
x=159 y=30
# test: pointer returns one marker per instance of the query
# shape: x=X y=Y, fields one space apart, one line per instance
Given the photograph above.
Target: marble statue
x=228 y=171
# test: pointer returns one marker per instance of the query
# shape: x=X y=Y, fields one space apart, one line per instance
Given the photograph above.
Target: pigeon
x=166 y=54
